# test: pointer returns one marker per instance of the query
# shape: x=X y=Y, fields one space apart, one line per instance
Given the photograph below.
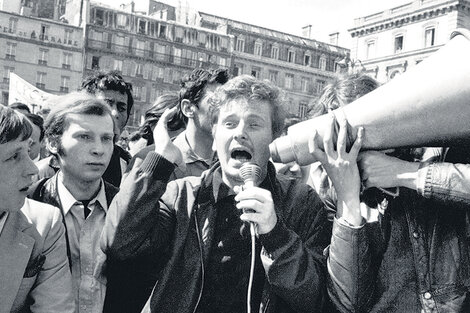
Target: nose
x=97 y=147
x=240 y=131
x=30 y=169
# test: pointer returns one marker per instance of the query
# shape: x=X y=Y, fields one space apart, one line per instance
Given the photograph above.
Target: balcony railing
x=41 y=85
x=64 y=89
x=66 y=66
x=10 y=56
x=42 y=62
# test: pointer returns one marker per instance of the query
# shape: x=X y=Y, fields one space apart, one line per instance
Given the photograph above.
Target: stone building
x=45 y=53
x=387 y=43
x=299 y=65
x=151 y=53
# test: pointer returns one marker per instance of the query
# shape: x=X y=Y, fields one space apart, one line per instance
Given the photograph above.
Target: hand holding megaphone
x=426 y=106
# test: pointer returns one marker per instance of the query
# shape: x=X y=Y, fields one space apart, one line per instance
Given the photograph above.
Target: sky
x=325 y=16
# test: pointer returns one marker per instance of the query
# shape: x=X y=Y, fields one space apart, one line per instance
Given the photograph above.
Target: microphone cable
x=252 y=267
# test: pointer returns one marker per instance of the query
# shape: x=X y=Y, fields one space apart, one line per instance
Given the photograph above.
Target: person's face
x=117 y=102
x=86 y=146
x=16 y=170
x=243 y=133
x=202 y=112
x=35 y=143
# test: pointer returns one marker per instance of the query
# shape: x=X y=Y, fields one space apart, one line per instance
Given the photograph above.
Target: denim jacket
x=416 y=258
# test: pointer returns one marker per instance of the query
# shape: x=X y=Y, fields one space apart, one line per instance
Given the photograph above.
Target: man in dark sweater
x=195 y=225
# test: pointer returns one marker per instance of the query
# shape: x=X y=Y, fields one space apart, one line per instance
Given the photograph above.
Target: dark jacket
x=416 y=258
x=177 y=225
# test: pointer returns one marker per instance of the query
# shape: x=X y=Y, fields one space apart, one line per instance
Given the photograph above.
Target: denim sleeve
x=445 y=182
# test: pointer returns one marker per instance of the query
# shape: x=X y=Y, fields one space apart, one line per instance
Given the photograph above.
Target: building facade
x=151 y=53
x=298 y=65
x=45 y=53
x=386 y=44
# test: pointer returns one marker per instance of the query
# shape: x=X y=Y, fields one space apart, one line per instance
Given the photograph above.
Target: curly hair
x=252 y=89
x=194 y=85
x=112 y=80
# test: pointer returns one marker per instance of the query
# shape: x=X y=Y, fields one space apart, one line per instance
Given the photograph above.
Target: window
x=240 y=45
x=222 y=61
x=320 y=86
x=256 y=72
x=67 y=60
x=273 y=76
x=429 y=37
x=68 y=36
x=41 y=80
x=398 y=44
x=275 y=52
x=140 y=45
x=303 y=109
x=142 y=27
x=11 y=51
x=44 y=32
x=95 y=62
x=117 y=65
x=162 y=32
x=6 y=73
x=307 y=59
x=43 y=56
x=177 y=56
x=121 y=21
x=370 y=49
x=291 y=56
x=139 y=70
x=13 y=24
x=64 y=83
x=289 y=82
x=258 y=48
x=99 y=17
x=137 y=92
x=322 y=63
x=304 y=84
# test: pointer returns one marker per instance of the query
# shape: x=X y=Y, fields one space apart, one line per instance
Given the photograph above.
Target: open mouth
x=241 y=155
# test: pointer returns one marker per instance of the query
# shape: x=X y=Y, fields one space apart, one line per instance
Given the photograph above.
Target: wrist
x=409 y=176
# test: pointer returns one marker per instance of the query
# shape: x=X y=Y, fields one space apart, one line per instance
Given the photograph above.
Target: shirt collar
x=189 y=156
x=221 y=190
x=68 y=200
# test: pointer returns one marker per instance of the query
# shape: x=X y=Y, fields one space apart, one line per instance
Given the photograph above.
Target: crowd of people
x=164 y=225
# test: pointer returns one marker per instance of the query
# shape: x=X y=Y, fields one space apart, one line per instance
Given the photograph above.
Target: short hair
x=73 y=103
x=19 y=106
x=13 y=125
x=193 y=86
x=153 y=114
x=344 y=90
x=250 y=88
x=112 y=80
x=39 y=122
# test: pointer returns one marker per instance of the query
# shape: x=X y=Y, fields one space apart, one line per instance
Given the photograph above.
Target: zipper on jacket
x=202 y=261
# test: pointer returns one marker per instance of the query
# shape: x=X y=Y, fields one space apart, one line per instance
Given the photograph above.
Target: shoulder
x=43 y=216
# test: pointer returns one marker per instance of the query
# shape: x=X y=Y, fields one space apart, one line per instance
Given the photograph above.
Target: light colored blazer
x=34 y=270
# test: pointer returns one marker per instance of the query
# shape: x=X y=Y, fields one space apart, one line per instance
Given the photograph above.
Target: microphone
x=251 y=175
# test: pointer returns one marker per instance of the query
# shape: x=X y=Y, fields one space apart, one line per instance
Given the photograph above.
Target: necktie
x=86 y=210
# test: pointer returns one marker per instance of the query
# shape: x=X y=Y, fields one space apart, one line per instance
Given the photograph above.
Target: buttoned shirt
x=89 y=282
x=195 y=164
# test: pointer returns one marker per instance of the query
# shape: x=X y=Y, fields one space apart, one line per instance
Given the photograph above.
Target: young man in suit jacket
x=79 y=133
x=34 y=272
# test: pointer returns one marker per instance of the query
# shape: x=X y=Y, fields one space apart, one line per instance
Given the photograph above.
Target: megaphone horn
x=428 y=105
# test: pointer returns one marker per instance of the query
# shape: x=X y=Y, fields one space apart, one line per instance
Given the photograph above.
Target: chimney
x=307 y=31
x=334 y=38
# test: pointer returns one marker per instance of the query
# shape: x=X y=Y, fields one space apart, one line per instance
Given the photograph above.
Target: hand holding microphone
x=257 y=203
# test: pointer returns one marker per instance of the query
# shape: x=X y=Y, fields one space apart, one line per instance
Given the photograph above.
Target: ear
x=52 y=145
x=188 y=108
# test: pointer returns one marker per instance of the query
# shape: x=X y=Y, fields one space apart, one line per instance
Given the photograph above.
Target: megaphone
x=429 y=105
